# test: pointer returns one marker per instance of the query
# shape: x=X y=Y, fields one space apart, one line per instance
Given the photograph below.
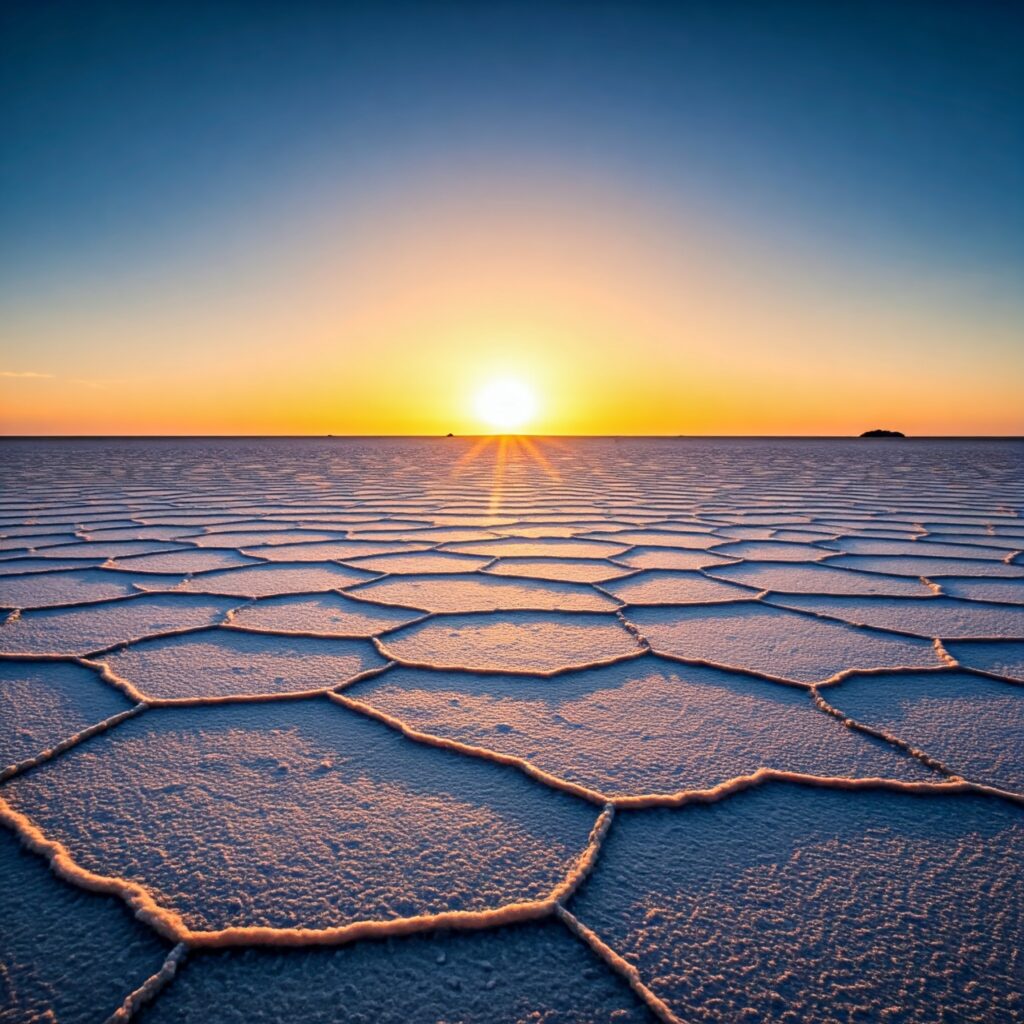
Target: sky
x=654 y=218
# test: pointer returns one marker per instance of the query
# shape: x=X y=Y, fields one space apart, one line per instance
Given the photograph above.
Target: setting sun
x=505 y=404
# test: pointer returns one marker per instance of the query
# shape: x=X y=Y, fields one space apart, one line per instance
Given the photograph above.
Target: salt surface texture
x=531 y=676
x=821 y=904
x=972 y=725
x=65 y=954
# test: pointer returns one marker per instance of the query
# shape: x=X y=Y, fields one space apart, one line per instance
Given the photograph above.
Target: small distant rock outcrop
x=449 y=435
x=882 y=433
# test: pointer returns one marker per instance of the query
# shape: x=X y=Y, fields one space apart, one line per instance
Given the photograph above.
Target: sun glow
x=505 y=404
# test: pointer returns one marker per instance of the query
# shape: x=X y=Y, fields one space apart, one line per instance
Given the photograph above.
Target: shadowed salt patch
x=1003 y=657
x=512 y=641
x=817 y=579
x=65 y=955
x=253 y=538
x=767 y=519
x=748 y=533
x=762 y=638
x=418 y=564
x=981 y=538
x=550 y=530
x=326 y=614
x=911 y=566
x=645 y=726
x=535 y=972
x=928 y=617
x=767 y=551
x=569 y=570
x=665 y=538
x=92 y=627
x=659 y=587
x=484 y=593
x=198 y=519
x=245 y=526
x=327 y=550
x=973 y=726
x=42 y=540
x=218 y=663
x=666 y=558
x=471 y=520
x=807 y=536
x=43 y=703
x=18 y=566
x=422 y=535
x=56 y=588
x=915 y=548
x=109 y=549
x=795 y=903
x=184 y=561
x=138 y=533
x=271 y=580
x=9 y=531
x=543 y=548
x=300 y=814
x=1010 y=591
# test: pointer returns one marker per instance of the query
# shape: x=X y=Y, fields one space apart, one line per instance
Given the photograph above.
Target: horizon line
x=342 y=437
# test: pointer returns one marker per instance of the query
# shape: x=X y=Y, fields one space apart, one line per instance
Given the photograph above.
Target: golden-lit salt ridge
x=151 y=987
x=665 y=492
x=619 y=965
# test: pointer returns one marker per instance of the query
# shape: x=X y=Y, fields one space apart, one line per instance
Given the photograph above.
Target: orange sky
x=387 y=316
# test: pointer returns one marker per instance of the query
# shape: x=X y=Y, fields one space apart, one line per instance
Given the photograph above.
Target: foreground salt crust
x=818 y=904
x=521 y=973
x=300 y=814
x=269 y=800
x=67 y=955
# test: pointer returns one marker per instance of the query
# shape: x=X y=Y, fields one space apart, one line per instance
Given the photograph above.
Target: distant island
x=882 y=433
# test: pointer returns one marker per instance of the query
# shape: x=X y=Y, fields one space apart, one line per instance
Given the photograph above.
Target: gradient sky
x=716 y=217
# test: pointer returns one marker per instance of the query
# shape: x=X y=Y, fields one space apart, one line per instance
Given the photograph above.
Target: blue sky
x=889 y=136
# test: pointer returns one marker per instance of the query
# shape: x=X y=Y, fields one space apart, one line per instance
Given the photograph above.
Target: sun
x=505 y=403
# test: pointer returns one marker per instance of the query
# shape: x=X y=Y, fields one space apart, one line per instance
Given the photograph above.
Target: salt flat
x=462 y=729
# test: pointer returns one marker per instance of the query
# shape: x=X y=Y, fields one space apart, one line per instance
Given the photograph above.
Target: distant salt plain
x=495 y=730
